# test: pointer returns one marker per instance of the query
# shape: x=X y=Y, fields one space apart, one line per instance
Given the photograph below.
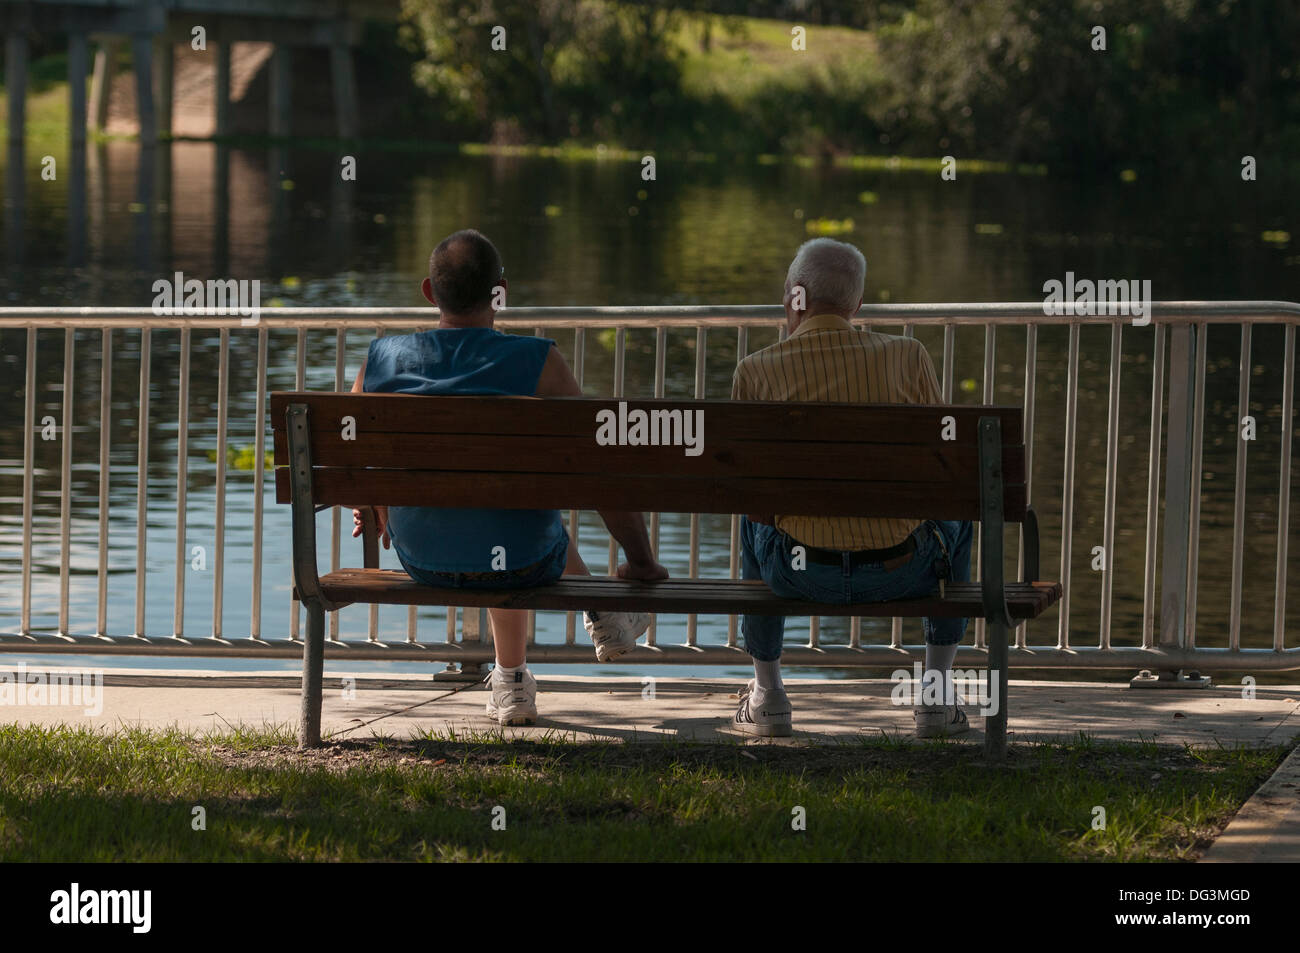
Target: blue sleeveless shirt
x=463 y=361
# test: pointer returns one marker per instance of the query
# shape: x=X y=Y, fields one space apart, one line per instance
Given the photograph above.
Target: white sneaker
x=615 y=633
x=769 y=718
x=512 y=700
x=939 y=721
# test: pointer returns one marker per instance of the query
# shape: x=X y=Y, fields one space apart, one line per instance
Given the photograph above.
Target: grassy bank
x=73 y=794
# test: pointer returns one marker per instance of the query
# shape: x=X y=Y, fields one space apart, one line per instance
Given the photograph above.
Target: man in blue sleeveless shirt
x=452 y=548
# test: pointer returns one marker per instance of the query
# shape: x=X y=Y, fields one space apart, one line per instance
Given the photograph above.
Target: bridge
x=154 y=28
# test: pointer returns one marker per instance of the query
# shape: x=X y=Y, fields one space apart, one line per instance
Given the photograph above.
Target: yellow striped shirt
x=827 y=359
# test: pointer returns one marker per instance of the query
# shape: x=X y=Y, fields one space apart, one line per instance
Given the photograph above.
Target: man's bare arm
x=628 y=527
x=381 y=512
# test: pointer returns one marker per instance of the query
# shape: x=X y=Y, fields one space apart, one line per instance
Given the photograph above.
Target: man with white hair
x=848 y=559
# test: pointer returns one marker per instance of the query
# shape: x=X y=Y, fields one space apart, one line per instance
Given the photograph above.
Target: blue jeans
x=546 y=570
x=765 y=555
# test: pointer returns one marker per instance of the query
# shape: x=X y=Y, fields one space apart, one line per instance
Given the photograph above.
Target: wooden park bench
x=521 y=452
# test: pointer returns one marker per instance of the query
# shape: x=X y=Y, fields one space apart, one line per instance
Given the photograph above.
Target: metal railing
x=1169 y=646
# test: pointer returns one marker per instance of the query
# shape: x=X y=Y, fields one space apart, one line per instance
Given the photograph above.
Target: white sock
x=768 y=675
x=506 y=673
x=939 y=658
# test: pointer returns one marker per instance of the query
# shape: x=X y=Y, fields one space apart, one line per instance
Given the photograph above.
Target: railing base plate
x=1170 y=679
x=461 y=672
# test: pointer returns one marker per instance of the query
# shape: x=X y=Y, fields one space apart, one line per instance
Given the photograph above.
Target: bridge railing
x=1178 y=355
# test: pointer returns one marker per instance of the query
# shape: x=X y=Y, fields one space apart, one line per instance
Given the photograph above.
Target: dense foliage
x=1014 y=79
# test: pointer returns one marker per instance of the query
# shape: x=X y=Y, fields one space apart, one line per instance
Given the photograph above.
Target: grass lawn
x=78 y=795
x=739 y=62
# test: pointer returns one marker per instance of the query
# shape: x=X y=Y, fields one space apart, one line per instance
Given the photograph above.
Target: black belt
x=835 y=557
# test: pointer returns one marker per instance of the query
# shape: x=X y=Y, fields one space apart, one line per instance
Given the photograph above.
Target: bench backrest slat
x=502 y=452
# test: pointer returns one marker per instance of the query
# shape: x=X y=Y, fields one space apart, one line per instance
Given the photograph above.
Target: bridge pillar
x=16 y=83
x=344 y=81
x=101 y=81
x=222 y=92
x=281 y=99
x=163 y=81
x=142 y=61
x=78 y=67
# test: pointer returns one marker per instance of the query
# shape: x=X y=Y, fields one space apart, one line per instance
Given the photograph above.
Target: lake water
x=592 y=232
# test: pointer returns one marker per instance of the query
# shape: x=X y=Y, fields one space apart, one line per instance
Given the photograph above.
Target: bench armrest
x=369 y=538
x=306 y=575
x=1029 y=535
x=992 y=522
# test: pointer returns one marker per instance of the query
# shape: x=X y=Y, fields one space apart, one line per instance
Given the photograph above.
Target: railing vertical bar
x=701 y=344
x=1112 y=477
x=896 y=623
x=105 y=425
x=1153 y=490
x=412 y=620
x=579 y=364
x=1031 y=391
x=532 y=614
x=620 y=356
x=733 y=558
x=661 y=373
x=142 y=479
x=182 y=482
x=1284 y=487
x=223 y=410
x=300 y=384
x=990 y=367
x=29 y=470
x=336 y=515
x=372 y=619
x=1067 y=501
x=1239 y=495
x=259 y=478
x=65 y=496
x=949 y=360
x=1194 y=515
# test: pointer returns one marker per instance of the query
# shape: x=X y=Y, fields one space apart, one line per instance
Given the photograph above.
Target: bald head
x=832 y=275
x=463 y=270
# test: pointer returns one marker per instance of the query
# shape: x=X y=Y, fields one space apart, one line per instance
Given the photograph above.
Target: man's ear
x=427 y=287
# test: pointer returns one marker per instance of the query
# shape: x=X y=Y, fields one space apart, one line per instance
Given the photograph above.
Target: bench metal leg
x=995 y=725
x=313 y=669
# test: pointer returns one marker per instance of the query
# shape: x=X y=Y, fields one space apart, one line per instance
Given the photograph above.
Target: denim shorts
x=546 y=570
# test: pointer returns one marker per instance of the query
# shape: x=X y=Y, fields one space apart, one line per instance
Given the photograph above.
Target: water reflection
x=594 y=232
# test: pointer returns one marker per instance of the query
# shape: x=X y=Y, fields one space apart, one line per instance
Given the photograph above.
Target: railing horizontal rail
x=1015 y=313
x=823 y=656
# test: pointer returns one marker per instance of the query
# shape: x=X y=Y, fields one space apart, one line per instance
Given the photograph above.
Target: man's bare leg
x=510 y=626
x=573 y=564
x=510 y=635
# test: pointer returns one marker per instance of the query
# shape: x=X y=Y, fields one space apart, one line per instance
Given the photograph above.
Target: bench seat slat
x=390 y=587
x=806 y=496
x=575 y=416
x=580 y=454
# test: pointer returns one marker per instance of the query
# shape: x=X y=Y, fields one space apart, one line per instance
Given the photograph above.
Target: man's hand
x=381 y=522
x=646 y=572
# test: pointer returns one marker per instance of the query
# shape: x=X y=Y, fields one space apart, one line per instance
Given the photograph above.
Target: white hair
x=830 y=272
